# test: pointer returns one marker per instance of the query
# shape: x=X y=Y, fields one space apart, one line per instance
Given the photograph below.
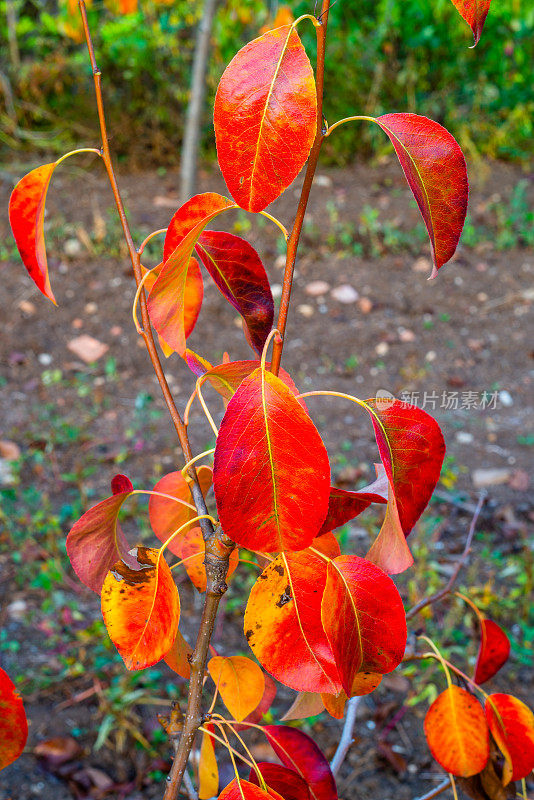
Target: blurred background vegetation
x=383 y=55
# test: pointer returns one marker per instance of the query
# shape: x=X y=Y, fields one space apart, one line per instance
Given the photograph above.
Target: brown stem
x=427 y=601
x=293 y=241
x=146 y=332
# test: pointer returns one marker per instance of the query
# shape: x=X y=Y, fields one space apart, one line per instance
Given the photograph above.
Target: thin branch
x=347 y=735
x=293 y=241
x=441 y=787
x=427 y=601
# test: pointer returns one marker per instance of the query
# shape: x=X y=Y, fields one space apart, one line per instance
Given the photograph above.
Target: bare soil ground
x=444 y=342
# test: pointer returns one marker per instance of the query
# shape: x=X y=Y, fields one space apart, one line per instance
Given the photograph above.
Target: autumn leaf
x=13 y=722
x=364 y=683
x=26 y=216
x=177 y=658
x=457 y=732
x=189 y=547
x=243 y=790
x=298 y=752
x=226 y=378
x=96 y=541
x=240 y=682
x=208 y=771
x=240 y=276
x=474 y=12
x=511 y=723
x=271 y=473
x=305 y=704
x=493 y=651
x=165 y=514
x=344 y=506
x=435 y=169
x=283 y=780
x=166 y=301
x=363 y=618
x=141 y=608
x=265 y=117
x=283 y=626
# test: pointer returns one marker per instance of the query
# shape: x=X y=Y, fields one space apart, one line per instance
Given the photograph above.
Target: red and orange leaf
x=305 y=704
x=364 y=683
x=240 y=276
x=457 y=732
x=197 y=364
x=511 y=724
x=435 y=169
x=95 y=542
x=363 y=618
x=493 y=652
x=166 y=301
x=300 y=753
x=264 y=705
x=474 y=12
x=283 y=627
x=190 y=548
x=226 y=378
x=141 y=608
x=13 y=722
x=177 y=658
x=412 y=449
x=165 y=514
x=283 y=780
x=265 y=117
x=271 y=473
x=208 y=771
x=344 y=506
x=241 y=684
x=390 y=550
x=26 y=216
x=243 y=790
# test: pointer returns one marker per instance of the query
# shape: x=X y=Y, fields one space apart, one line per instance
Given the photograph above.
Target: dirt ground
x=461 y=346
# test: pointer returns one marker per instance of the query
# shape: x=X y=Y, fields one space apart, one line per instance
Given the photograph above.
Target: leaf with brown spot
x=141 y=608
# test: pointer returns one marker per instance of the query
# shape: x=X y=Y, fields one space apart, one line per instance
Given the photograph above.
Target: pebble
x=9 y=451
x=45 y=359
x=91 y=308
x=17 y=609
x=422 y=265
x=322 y=180
x=406 y=335
x=464 y=438
x=115 y=330
x=345 y=294
x=305 y=310
x=365 y=305
x=26 y=307
x=382 y=349
x=317 y=288
x=431 y=356
x=77 y=323
x=72 y=247
x=505 y=398
x=490 y=477
x=88 y=348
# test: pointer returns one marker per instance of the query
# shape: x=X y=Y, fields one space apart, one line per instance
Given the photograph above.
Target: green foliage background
x=383 y=55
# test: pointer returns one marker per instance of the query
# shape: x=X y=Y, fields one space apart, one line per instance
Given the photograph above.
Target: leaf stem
x=321 y=25
x=347 y=119
x=150 y=236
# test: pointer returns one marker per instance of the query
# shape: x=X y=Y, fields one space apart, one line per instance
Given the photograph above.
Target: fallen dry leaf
x=87 y=348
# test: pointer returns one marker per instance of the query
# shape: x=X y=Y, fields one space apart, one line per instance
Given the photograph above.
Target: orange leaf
x=390 y=550
x=208 y=772
x=493 y=652
x=265 y=117
x=26 y=216
x=511 y=724
x=166 y=515
x=364 y=683
x=240 y=682
x=474 y=12
x=13 y=722
x=305 y=704
x=177 y=658
x=190 y=548
x=435 y=169
x=457 y=732
x=271 y=473
x=363 y=618
x=243 y=790
x=141 y=608
x=283 y=623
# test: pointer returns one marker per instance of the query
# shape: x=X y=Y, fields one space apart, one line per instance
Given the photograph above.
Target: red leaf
x=412 y=449
x=511 y=724
x=271 y=473
x=300 y=753
x=457 y=732
x=13 y=722
x=226 y=378
x=493 y=652
x=243 y=790
x=363 y=618
x=265 y=117
x=344 y=506
x=95 y=542
x=283 y=780
x=240 y=275
x=166 y=515
x=283 y=627
x=166 y=301
x=141 y=608
x=26 y=215
x=474 y=12
x=435 y=169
